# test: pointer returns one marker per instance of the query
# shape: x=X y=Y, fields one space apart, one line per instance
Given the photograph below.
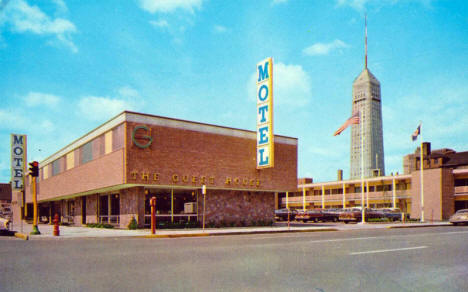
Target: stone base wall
x=132 y=204
x=91 y=208
x=238 y=208
x=78 y=209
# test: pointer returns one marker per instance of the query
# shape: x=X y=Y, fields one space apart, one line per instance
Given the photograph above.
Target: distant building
x=5 y=193
x=367 y=100
x=445 y=187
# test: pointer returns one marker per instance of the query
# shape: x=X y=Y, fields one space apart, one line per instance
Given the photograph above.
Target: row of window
x=104 y=144
x=461 y=182
x=357 y=189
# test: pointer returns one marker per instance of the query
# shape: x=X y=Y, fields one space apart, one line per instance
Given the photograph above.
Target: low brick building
x=110 y=174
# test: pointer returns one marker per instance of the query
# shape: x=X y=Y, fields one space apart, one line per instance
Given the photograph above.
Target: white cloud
x=159 y=23
x=325 y=48
x=166 y=6
x=37 y=98
x=291 y=85
x=61 y=5
x=23 y=18
x=97 y=108
x=219 y=29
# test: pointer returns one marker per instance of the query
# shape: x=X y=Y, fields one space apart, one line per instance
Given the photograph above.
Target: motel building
x=110 y=174
x=445 y=187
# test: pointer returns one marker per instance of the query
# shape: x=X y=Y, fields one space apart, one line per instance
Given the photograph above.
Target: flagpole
x=363 y=213
x=421 y=172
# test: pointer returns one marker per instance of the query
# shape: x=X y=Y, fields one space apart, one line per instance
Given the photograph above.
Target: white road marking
x=387 y=250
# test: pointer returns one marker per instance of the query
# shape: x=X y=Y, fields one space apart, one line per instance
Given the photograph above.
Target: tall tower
x=367 y=100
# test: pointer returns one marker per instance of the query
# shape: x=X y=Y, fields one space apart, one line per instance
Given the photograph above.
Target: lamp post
x=204 y=195
x=153 y=215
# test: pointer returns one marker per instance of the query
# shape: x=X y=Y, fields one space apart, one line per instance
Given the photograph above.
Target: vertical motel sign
x=18 y=161
x=265 y=143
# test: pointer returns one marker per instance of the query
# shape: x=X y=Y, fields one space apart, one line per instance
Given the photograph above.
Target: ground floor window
x=109 y=209
x=172 y=205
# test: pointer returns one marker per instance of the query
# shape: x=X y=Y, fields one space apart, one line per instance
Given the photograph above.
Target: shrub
x=133 y=224
x=99 y=225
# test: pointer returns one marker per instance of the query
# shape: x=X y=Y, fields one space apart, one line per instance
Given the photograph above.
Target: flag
x=354 y=119
x=416 y=133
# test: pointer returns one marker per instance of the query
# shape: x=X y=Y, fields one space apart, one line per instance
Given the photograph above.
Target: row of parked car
x=345 y=215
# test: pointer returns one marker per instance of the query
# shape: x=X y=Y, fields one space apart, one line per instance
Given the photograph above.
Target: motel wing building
x=109 y=174
x=445 y=187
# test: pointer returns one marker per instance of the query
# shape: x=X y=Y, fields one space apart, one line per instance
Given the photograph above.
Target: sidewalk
x=86 y=232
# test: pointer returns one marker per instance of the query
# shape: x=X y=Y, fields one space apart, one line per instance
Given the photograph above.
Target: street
x=412 y=259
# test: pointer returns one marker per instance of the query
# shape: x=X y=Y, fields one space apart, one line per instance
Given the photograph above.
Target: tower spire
x=365 y=21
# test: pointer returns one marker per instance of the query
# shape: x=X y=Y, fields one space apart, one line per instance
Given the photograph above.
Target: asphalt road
x=417 y=259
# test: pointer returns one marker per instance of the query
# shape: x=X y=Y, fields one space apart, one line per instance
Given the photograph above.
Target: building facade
x=110 y=174
x=367 y=101
x=445 y=178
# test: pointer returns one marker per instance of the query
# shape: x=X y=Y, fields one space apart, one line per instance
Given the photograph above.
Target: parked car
x=393 y=214
x=309 y=215
x=460 y=217
x=282 y=214
x=355 y=214
x=331 y=214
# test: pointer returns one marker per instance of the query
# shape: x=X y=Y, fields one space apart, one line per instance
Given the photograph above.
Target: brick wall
x=101 y=172
x=78 y=209
x=433 y=193
x=191 y=158
x=448 y=199
x=91 y=208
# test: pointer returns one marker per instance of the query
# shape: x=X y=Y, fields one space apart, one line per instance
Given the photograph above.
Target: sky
x=66 y=67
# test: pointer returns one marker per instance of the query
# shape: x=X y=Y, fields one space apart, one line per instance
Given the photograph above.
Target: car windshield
x=462 y=211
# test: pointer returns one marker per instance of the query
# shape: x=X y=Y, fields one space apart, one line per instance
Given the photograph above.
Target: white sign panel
x=18 y=161
x=265 y=143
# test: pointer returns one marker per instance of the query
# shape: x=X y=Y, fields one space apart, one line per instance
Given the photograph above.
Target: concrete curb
x=232 y=233
x=418 y=226
x=22 y=235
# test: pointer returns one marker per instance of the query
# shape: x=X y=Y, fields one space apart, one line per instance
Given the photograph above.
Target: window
x=461 y=182
x=86 y=152
x=118 y=137
x=56 y=167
